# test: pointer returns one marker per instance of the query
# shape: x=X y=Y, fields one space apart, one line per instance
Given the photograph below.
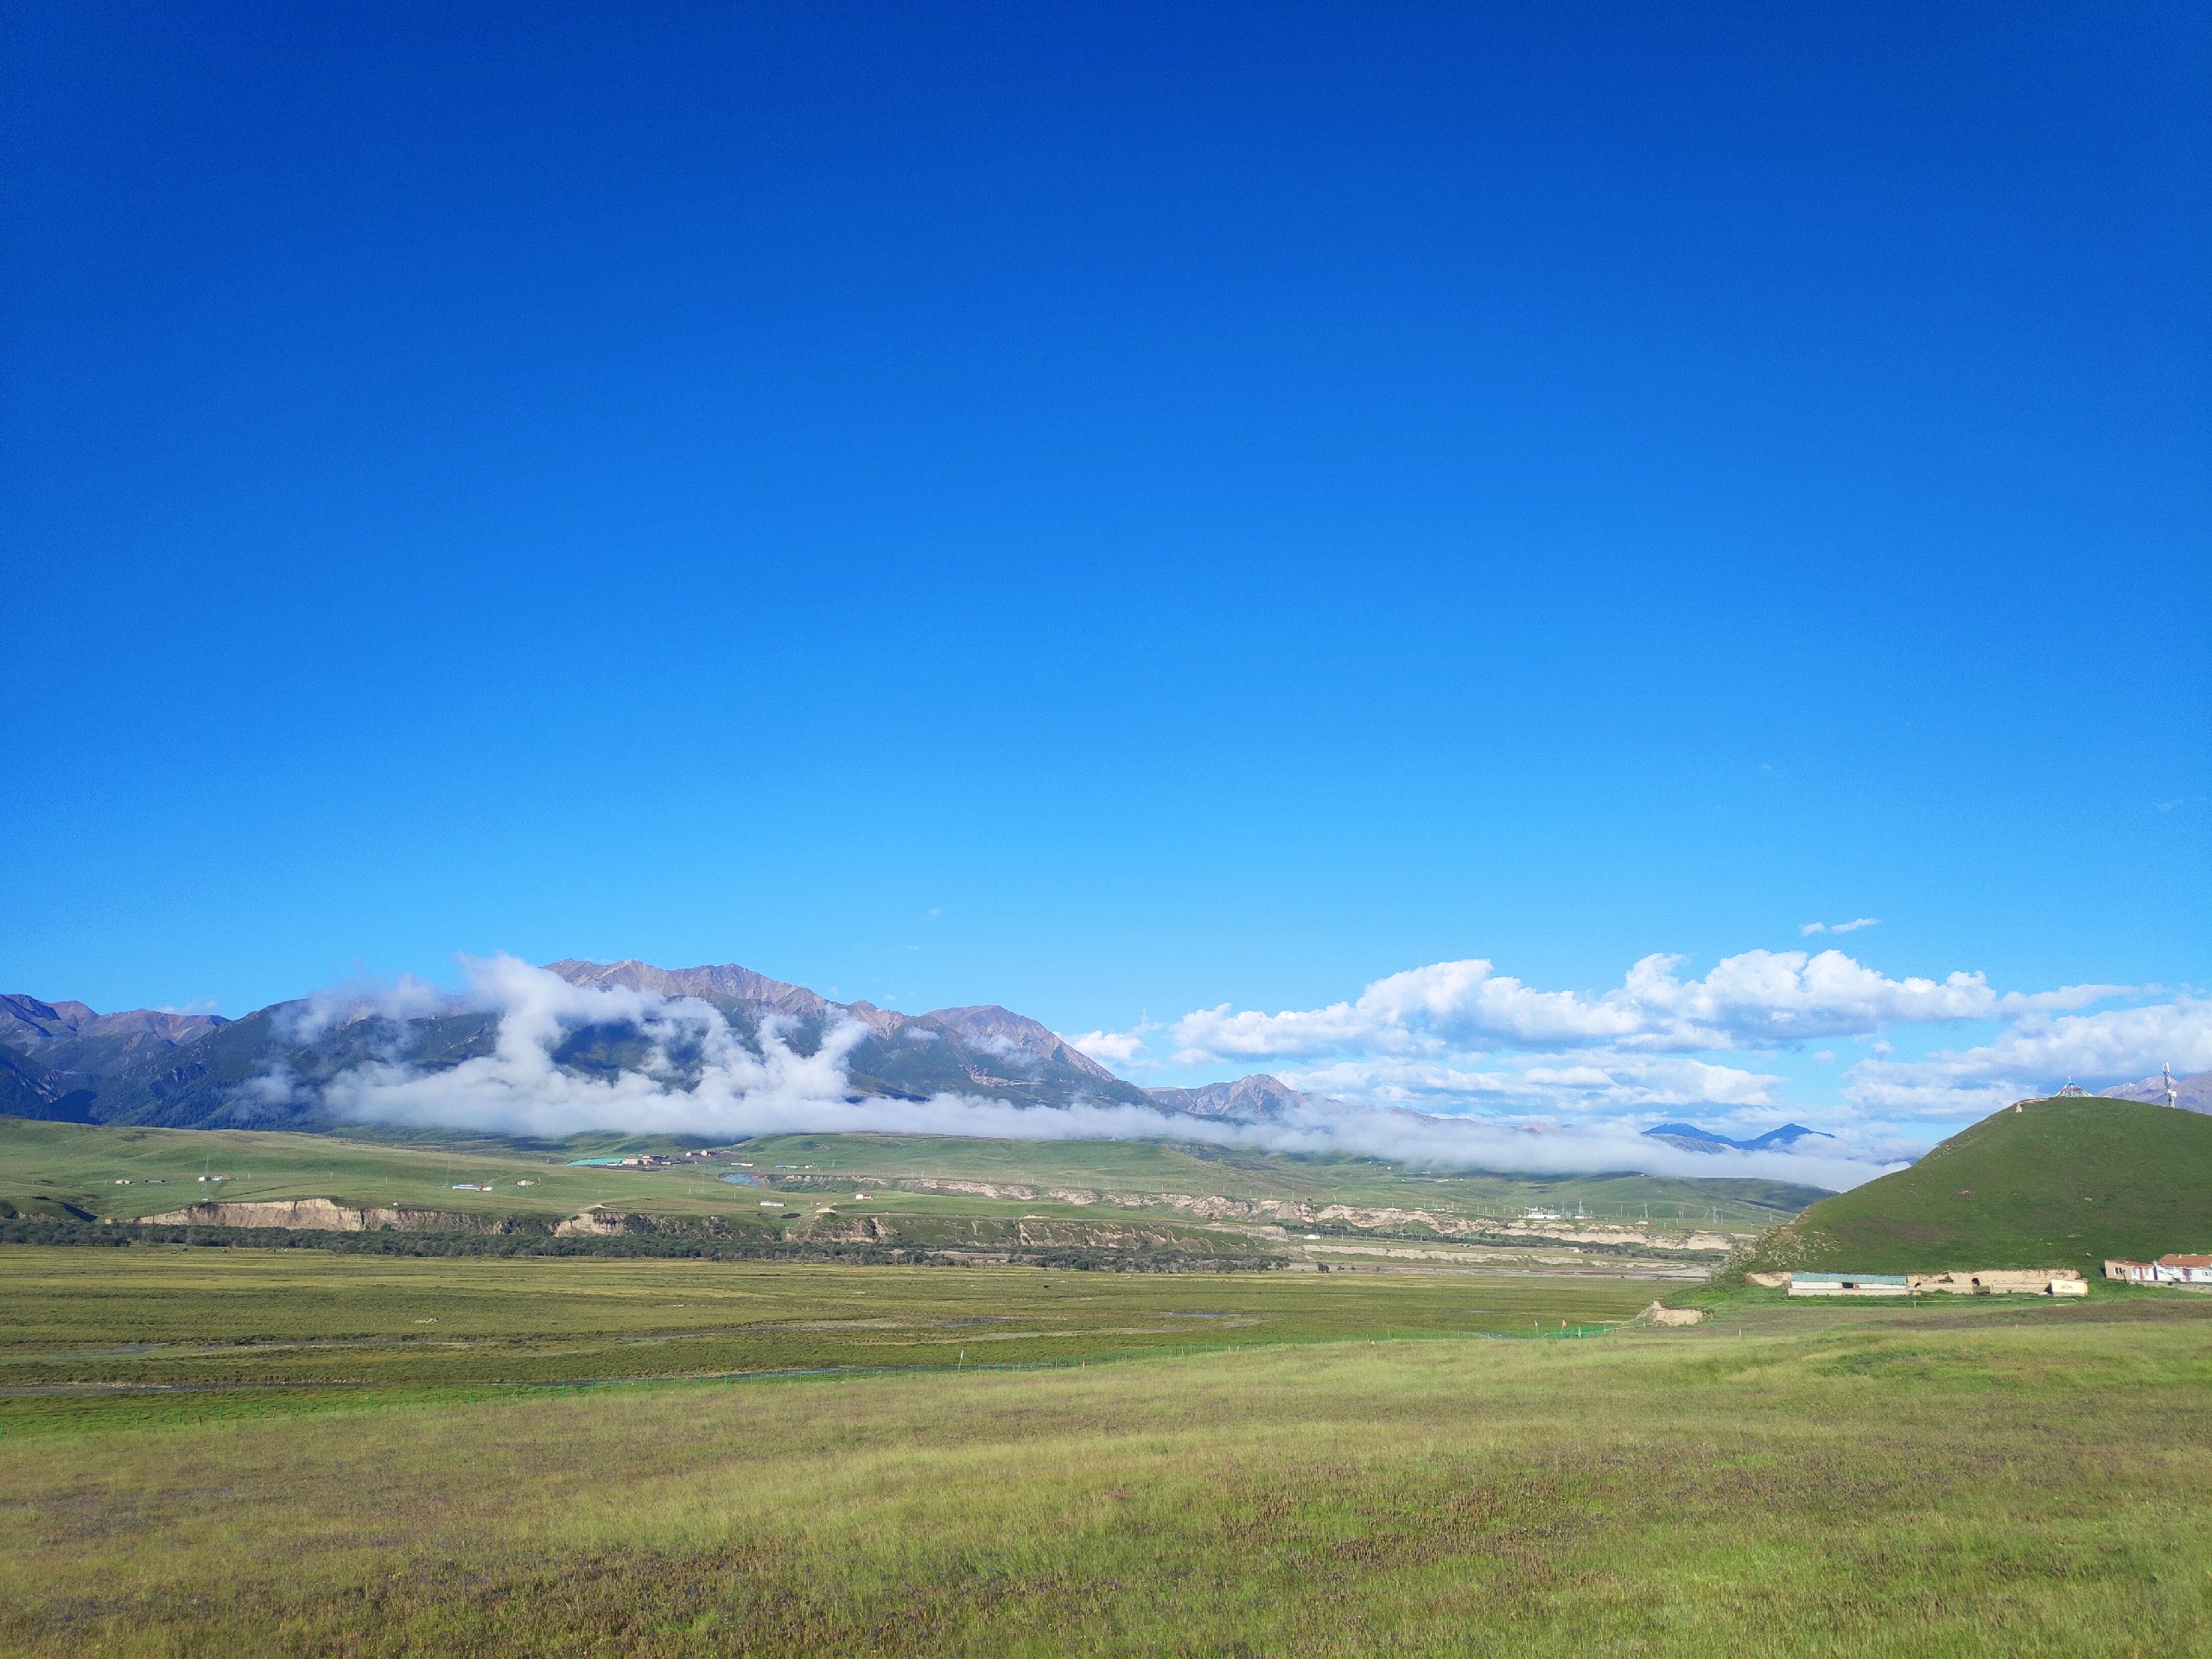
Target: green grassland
x=2021 y=1479
x=116 y=1335
x=46 y=1166
x=2058 y=1183
x=1192 y=1167
x=852 y=1198
x=55 y=1169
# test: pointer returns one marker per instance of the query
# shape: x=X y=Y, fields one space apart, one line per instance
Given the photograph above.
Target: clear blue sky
x=1104 y=510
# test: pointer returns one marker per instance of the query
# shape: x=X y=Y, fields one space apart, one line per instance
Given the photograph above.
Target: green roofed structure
x=1848 y=1284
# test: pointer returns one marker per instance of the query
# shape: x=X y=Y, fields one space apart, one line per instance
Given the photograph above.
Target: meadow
x=58 y=1169
x=1235 y=1172
x=2026 y=1479
x=140 y=1336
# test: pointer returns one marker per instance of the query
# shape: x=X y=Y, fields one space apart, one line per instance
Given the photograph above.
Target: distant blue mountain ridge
x=1694 y=1138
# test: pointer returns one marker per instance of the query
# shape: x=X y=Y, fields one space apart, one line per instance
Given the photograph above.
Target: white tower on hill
x=2173 y=1094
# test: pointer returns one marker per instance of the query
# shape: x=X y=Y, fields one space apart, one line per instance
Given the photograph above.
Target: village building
x=1990 y=1281
x=2166 y=1270
x=1848 y=1284
x=2002 y=1282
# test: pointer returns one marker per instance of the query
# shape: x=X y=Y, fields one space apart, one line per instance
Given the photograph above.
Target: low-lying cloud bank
x=1459 y=1036
x=698 y=1076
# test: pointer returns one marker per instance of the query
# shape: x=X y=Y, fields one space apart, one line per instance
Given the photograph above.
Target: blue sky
x=1117 y=512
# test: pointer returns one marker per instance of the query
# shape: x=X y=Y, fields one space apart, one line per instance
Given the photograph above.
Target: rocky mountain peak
x=27 y=1024
x=1258 y=1098
x=1001 y=1030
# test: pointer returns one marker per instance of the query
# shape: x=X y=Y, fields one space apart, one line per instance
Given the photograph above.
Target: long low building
x=1848 y=1284
x=2002 y=1282
x=1996 y=1282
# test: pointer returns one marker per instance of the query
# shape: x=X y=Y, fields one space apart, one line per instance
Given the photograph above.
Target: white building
x=2166 y=1270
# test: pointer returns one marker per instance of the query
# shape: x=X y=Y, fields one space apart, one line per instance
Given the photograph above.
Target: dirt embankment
x=597 y=1222
x=325 y=1216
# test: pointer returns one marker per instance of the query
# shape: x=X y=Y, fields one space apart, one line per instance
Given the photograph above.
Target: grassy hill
x=2058 y=1183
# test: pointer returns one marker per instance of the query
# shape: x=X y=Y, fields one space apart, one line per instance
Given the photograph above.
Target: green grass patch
x=56 y=1170
x=44 y=1166
x=1154 y=1166
x=91 y=1334
x=1861 y=1483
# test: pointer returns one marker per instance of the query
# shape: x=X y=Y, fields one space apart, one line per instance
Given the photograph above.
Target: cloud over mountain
x=694 y=1074
x=1460 y=1037
x=1451 y=1061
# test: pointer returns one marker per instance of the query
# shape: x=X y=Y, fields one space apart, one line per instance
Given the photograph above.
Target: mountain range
x=58 y=1051
x=1691 y=1138
x=62 y=1060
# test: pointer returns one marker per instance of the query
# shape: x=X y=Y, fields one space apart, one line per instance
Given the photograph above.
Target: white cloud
x=2110 y=1046
x=1759 y=999
x=1533 y=1148
x=1811 y=928
x=1452 y=1055
x=1111 y=1047
x=697 y=1077
x=405 y=998
x=1597 y=1081
x=1459 y=1038
x=695 y=1071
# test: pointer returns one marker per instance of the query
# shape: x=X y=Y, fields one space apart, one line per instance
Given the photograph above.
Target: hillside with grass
x=2056 y=1183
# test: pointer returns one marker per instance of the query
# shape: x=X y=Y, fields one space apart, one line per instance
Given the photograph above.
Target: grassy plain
x=1165 y=1166
x=134 y=1335
x=53 y=1168
x=45 y=1165
x=2029 y=1480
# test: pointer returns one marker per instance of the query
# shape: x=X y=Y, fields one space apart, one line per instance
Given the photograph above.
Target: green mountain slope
x=2058 y=1183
